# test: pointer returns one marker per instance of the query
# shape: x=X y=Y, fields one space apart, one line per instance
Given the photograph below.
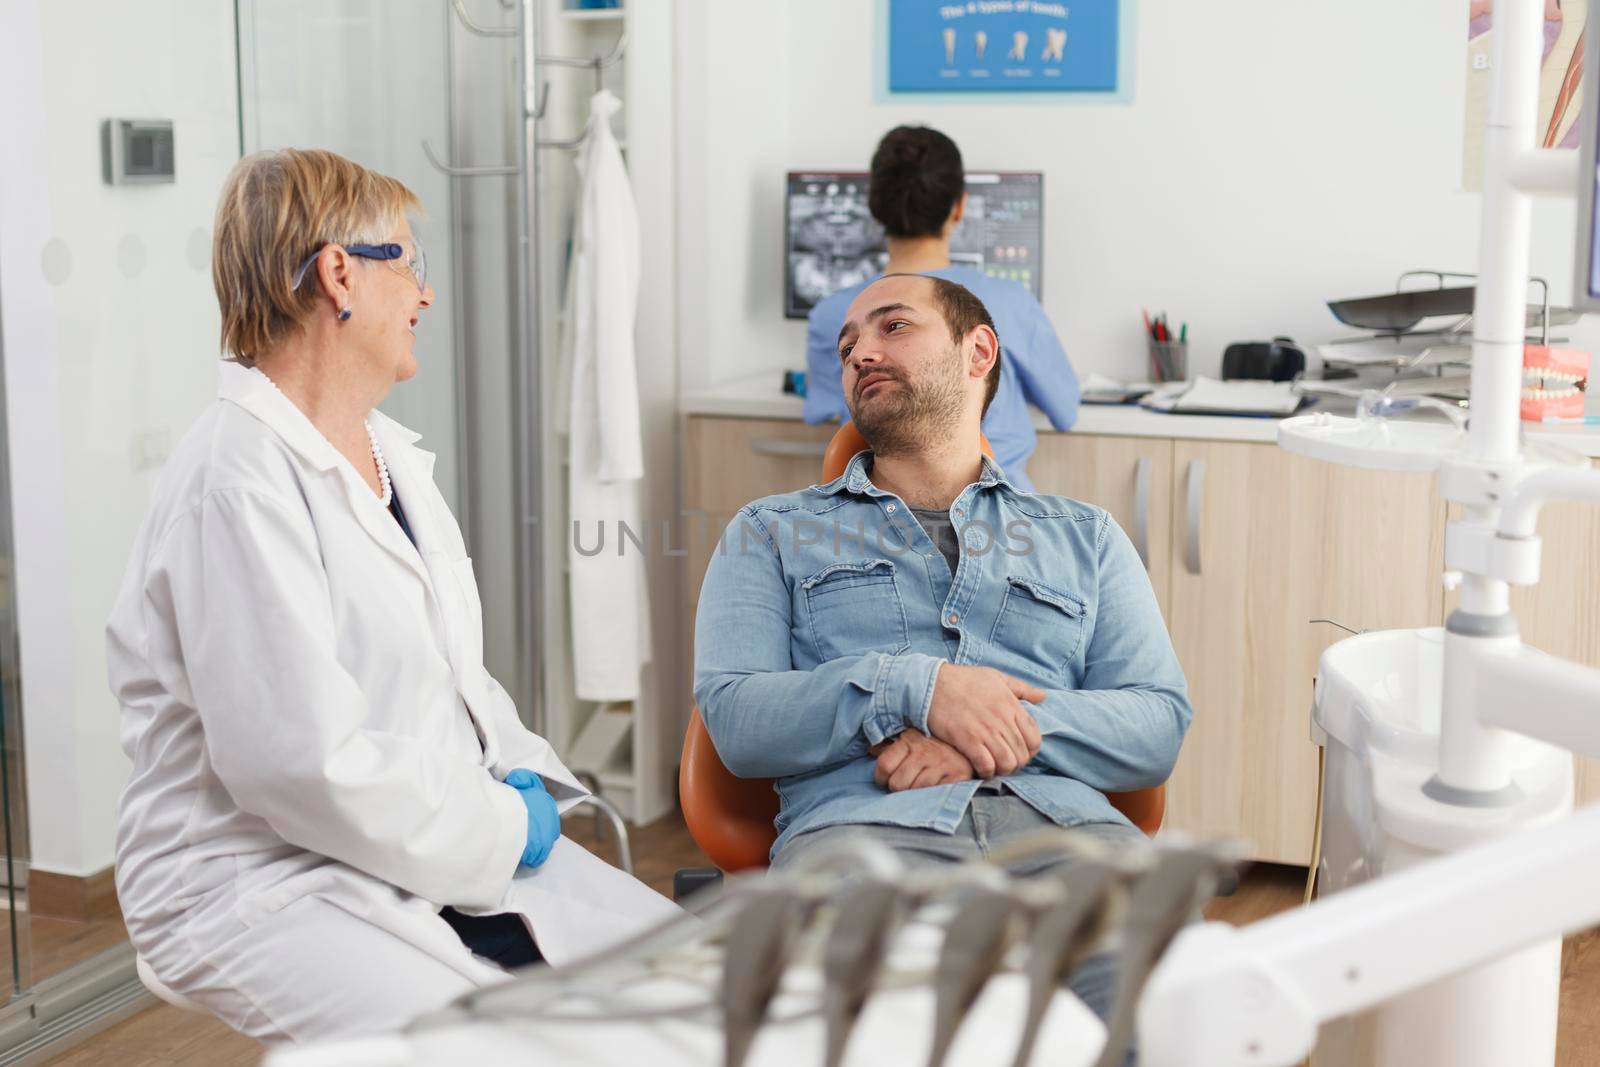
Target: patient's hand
x=978 y=710
x=913 y=760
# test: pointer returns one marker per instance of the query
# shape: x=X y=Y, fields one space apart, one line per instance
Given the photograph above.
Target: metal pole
x=466 y=402
x=527 y=368
x=1473 y=756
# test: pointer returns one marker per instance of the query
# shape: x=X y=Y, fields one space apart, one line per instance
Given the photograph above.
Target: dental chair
x=731 y=818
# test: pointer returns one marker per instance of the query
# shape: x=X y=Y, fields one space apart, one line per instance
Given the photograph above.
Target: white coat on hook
x=610 y=602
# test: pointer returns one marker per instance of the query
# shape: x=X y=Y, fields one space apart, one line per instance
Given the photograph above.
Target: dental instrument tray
x=1400 y=311
x=1356 y=355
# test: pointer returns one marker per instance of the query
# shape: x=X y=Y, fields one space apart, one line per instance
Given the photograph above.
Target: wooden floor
x=61 y=943
x=166 y=1037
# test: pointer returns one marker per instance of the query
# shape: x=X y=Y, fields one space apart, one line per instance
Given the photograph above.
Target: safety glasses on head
x=389 y=252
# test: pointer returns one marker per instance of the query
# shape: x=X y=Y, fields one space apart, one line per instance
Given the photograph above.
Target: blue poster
x=1003 y=46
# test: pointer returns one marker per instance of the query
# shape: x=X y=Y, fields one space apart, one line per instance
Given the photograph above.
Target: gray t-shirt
x=942 y=532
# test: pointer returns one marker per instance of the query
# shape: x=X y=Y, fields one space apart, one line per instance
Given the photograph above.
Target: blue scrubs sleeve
x=824 y=376
x=1047 y=378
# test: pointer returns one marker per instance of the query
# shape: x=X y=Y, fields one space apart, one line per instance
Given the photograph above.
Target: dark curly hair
x=917 y=178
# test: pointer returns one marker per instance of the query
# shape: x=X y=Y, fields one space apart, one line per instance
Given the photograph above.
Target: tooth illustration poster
x=1003 y=45
x=1560 y=80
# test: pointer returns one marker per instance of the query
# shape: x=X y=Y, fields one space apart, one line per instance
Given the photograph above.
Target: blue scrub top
x=1033 y=366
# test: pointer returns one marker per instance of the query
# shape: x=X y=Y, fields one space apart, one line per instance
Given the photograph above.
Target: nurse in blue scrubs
x=918 y=193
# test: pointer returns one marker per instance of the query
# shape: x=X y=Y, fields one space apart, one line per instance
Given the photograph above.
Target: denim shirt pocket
x=854 y=608
x=1039 y=625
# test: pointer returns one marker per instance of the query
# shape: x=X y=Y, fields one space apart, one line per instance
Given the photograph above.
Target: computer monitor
x=1586 y=276
x=833 y=242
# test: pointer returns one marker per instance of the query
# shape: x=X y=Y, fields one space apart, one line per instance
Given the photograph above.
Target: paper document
x=1208 y=396
x=1099 y=389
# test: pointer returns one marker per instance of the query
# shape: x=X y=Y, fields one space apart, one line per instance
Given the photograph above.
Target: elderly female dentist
x=335 y=819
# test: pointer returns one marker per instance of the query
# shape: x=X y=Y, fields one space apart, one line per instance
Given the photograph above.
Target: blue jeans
x=993 y=820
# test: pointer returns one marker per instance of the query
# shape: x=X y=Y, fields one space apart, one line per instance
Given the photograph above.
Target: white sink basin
x=1381 y=691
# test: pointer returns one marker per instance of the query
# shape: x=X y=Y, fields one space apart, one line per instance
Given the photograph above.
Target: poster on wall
x=1062 y=46
x=1560 y=81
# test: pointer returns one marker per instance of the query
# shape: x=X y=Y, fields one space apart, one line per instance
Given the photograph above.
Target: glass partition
x=368 y=79
x=17 y=943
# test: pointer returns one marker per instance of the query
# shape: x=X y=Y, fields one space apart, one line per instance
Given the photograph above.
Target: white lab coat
x=609 y=600
x=317 y=748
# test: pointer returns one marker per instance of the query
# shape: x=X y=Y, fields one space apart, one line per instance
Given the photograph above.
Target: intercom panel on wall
x=137 y=151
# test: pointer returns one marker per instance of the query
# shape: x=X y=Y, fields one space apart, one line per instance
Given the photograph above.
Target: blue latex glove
x=544 y=821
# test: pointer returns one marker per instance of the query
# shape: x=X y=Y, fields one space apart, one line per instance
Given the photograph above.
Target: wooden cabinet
x=1263 y=542
x=1128 y=476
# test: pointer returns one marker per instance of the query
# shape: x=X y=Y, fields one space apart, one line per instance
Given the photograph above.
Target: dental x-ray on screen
x=832 y=240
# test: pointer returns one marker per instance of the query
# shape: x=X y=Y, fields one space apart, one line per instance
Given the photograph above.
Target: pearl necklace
x=387 y=495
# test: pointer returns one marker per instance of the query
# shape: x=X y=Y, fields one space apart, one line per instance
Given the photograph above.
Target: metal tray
x=1394 y=312
x=1398 y=312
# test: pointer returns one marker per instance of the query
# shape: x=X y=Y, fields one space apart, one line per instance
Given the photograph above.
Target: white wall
x=110 y=347
x=1272 y=156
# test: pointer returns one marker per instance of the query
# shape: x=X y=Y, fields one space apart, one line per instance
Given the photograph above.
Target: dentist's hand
x=978 y=712
x=544 y=821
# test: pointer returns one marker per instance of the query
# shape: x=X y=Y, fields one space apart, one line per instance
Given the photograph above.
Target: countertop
x=763 y=398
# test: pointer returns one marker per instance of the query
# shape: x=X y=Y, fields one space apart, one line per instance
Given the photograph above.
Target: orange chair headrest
x=848 y=441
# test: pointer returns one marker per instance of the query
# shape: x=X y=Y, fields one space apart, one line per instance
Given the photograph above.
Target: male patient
x=921 y=653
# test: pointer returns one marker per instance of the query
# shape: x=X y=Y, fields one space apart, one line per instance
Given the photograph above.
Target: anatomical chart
x=1560 y=81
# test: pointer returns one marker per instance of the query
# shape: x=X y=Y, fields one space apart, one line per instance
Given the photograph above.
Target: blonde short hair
x=276 y=209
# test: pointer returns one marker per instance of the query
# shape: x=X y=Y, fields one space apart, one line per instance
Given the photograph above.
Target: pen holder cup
x=1169 y=361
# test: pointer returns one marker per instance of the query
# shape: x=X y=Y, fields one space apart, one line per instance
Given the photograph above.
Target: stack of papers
x=1208 y=396
x=1403 y=353
x=1099 y=389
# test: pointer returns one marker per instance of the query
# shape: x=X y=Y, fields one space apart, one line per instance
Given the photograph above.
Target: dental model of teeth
x=1554 y=381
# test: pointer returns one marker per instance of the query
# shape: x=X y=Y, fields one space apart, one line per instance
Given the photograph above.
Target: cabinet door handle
x=1141 y=511
x=767 y=446
x=1197 y=495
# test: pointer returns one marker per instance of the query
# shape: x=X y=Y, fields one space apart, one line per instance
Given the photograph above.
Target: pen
x=1145 y=315
x=1183 y=334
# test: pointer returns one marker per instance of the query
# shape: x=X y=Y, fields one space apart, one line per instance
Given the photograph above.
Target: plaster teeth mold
x=1553 y=383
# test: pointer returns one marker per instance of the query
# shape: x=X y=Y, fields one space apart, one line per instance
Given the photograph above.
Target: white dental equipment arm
x=1503 y=683
x=1521 y=511
x=1255 y=995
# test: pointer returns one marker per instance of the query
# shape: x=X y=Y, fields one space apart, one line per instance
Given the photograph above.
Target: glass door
x=369 y=79
x=15 y=942
x=386 y=82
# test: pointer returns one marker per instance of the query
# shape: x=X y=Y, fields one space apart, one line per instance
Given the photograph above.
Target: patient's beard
x=907 y=420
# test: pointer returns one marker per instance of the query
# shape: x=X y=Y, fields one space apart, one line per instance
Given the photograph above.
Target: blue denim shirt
x=826 y=613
